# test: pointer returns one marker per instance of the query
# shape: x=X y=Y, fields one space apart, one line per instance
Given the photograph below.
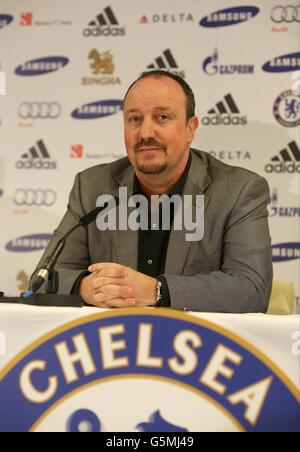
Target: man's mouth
x=150 y=149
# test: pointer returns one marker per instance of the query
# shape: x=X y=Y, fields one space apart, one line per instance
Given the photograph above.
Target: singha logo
x=101 y=63
x=23 y=281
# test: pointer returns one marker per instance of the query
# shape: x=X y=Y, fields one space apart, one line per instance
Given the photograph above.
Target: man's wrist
x=165 y=301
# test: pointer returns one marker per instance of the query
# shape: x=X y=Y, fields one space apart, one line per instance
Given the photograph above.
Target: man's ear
x=192 y=126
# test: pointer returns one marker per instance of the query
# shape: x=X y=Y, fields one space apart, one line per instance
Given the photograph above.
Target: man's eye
x=163 y=117
x=134 y=119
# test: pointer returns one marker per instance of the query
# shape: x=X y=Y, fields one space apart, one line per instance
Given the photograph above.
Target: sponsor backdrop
x=64 y=69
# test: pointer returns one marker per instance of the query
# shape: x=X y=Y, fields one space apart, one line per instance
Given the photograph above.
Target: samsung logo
x=100 y=109
x=286 y=252
x=29 y=243
x=229 y=16
x=42 y=66
x=283 y=63
x=5 y=19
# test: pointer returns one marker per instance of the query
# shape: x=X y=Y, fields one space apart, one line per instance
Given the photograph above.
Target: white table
x=141 y=369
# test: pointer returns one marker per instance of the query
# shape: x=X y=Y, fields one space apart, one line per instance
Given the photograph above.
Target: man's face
x=157 y=136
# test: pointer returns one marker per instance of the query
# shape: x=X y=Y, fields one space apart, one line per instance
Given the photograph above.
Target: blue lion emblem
x=291 y=108
x=158 y=424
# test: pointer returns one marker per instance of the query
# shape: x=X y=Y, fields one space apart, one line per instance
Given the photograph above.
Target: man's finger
x=118 y=291
x=103 y=281
x=113 y=303
x=114 y=272
x=121 y=303
x=105 y=265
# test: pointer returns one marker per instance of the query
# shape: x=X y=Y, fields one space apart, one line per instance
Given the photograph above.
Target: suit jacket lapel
x=126 y=242
x=178 y=248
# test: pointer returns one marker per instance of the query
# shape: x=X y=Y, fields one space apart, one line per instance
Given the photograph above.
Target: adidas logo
x=224 y=113
x=166 y=62
x=105 y=24
x=286 y=160
x=37 y=157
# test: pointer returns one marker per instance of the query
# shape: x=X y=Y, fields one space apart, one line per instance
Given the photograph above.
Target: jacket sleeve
x=243 y=283
x=74 y=259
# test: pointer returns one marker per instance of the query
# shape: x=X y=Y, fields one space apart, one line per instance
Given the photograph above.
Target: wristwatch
x=158 y=293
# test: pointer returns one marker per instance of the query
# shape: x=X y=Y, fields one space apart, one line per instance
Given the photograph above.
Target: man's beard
x=150 y=168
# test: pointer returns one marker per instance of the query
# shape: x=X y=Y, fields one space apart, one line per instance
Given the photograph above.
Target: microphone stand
x=47 y=270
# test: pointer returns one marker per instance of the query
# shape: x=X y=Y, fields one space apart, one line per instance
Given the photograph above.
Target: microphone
x=51 y=260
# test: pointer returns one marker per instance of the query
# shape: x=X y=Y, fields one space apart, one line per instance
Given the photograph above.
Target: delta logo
x=283 y=63
x=229 y=16
x=285 y=252
x=28 y=243
x=5 y=19
x=225 y=112
x=102 y=67
x=105 y=24
x=72 y=379
x=173 y=18
x=41 y=66
x=98 y=110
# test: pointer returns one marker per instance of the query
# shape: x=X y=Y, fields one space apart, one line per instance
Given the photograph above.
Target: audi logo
x=32 y=197
x=39 y=110
x=287 y=14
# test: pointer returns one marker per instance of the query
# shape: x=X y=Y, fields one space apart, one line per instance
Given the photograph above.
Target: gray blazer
x=229 y=270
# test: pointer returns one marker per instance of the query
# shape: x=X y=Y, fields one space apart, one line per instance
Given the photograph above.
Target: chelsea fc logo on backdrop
x=145 y=370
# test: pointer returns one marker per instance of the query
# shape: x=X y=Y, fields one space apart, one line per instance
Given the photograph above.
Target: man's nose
x=147 y=129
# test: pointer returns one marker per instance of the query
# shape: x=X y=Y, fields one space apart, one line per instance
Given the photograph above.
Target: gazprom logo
x=284 y=252
x=100 y=109
x=229 y=16
x=5 y=19
x=41 y=66
x=29 y=243
x=283 y=63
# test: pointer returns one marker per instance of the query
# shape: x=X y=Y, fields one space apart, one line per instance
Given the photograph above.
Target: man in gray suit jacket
x=228 y=270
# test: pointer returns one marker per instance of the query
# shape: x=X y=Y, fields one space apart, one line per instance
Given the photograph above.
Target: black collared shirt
x=153 y=243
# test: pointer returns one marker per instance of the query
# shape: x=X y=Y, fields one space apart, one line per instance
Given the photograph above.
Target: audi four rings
x=287 y=14
x=32 y=197
x=39 y=110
